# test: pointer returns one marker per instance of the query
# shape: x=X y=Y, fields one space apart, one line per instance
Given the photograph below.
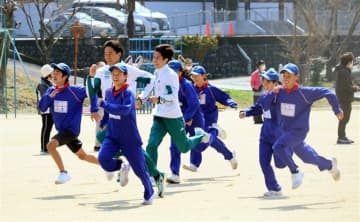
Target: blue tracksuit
x=294 y=110
x=190 y=108
x=122 y=133
x=65 y=108
x=266 y=105
x=208 y=96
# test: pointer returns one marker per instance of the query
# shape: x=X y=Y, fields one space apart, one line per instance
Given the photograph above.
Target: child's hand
x=276 y=89
x=340 y=115
x=242 y=115
x=138 y=103
x=95 y=116
x=189 y=123
x=154 y=99
x=92 y=70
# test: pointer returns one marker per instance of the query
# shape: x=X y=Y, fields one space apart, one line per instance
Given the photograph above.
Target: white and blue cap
x=290 y=68
x=198 y=70
x=120 y=66
x=175 y=65
x=271 y=75
x=64 y=68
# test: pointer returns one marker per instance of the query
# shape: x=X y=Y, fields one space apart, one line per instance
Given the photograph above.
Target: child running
x=66 y=105
x=120 y=116
x=208 y=96
x=294 y=106
x=190 y=108
x=266 y=106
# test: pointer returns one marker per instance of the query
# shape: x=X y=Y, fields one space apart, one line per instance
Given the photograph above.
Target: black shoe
x=343 y=141
x=96 y=148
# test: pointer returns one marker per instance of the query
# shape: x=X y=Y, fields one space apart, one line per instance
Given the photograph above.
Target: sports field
x=214 y=193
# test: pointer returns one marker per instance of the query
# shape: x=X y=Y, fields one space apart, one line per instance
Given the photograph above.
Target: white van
x=156 y=23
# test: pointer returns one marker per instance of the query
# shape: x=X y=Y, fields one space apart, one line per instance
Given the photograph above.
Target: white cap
x=46 y=70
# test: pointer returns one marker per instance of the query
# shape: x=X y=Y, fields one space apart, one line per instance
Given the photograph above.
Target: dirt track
x=214 y=193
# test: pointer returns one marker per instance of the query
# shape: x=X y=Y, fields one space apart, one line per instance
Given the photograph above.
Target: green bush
x=196 y=47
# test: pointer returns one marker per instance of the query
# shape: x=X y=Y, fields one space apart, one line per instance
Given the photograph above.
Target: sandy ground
x=214 y=193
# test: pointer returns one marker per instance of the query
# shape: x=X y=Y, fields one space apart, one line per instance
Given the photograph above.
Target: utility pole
x=77 y=31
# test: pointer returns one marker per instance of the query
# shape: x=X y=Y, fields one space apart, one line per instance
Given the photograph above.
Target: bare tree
x=45 y=39
x=8 y=11
x=322 y=37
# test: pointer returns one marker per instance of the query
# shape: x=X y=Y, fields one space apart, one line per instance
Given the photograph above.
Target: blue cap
x=62 y=67
x=122 y=67
x=271 y=75
x=198 y=70
x=175 y=65
x=290 y=68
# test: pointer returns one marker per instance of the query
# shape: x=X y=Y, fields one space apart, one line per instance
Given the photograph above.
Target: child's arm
x=119 y=109
x=254 y=110
x=192 y=103
x=47 y=99
x=222 y=97
x=313 y=94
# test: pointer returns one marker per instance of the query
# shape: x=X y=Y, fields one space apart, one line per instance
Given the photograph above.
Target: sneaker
x=206 y=136
x=273 y=193
x=160 y=185
x=173 y=179
x=297 y=179
x=190 y=167
x=124 y=174
x=150 y=200
x=233 y=161
x=62 y=178
x=335 y=172
x=109 y=175
x=221 y=131
x=344 y=141
x=351 y=141
x=96 y=148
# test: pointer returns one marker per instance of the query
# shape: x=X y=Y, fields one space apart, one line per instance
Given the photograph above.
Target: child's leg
x=195 y=154
x=157 y=133
x=135 y=156
x=220 y=147
x=283 y=149
x=265 y=154
x=175 y=127
x=151 y=168
x=175 y=159
x=106 y=154
x=51 y=147
x=307 y=154
x=86 y=157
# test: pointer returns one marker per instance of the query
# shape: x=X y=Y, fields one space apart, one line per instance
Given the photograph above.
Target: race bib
x=202 y=98
x=288 y=109
x=267 y=114
x=112 y=116
x=60 y=106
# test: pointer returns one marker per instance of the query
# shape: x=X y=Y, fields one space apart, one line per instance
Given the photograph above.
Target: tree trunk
x=130 y=22
x=8 y=10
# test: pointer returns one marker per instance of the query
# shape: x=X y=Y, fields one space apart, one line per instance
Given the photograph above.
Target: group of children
x=185 y=110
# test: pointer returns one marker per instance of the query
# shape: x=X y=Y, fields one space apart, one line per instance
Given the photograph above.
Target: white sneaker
x=62 y=178
x=273 y=193
x=233 y=161
x=191 y=167
x=109 y=175
x=173 y=178
x=206 y=136
x=124 y=174
x=335 y=172
x=297 y=179
x=150 y=200
x=221 y=131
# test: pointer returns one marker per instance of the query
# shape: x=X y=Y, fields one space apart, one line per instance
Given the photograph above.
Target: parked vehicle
x=92 y=27
x=116 y=18
x=156 y=23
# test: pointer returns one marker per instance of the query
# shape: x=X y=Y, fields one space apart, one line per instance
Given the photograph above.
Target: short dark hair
x=115 y=44
x=260 y=62
x=166 y=51
x=346 y=58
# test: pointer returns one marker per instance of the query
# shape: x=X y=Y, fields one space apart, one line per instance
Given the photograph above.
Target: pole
x=76 y=58
x=14 y=50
